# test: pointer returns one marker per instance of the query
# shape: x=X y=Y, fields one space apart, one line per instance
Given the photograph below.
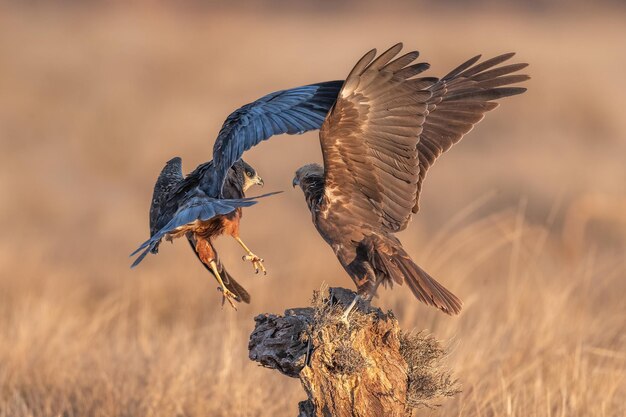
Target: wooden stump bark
x=363 y=368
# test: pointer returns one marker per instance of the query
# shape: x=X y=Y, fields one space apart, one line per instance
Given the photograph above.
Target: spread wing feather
x=195 y=209
x=459 y=101
x=170 y=177
x=288 y=111
x=369 y=139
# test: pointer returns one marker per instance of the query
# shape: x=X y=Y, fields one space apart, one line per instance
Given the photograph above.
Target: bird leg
x=207 y=256
x=348 y=310
x=226 y=293
x=257 y=262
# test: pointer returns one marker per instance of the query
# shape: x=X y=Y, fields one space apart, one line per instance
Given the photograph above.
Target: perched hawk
x=208 y=201
x=378 y=141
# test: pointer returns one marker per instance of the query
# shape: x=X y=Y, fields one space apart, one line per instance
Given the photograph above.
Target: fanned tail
x=394 y=265
x=424 y=287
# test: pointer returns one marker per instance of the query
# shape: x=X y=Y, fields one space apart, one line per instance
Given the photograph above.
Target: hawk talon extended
x=227 y=295
x=257 y=263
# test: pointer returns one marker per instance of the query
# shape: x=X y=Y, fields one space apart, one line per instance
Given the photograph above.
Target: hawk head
x=310 y=178
x=247 y=175
x=308 y=175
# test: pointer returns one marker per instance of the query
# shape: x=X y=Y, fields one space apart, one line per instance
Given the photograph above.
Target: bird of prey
x=208 y=201
x=385 y=131
x=171 y=189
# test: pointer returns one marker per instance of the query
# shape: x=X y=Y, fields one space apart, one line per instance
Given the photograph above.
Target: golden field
x=525 y=219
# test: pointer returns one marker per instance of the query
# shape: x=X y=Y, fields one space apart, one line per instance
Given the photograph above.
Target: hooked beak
x=259 y=181
x=295 y=182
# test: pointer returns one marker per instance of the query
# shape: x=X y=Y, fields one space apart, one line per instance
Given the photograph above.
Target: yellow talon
x=257 y=262
x=226 y=293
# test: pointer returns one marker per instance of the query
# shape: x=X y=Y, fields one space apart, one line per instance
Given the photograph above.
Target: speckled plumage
x=209 y=201
x=173 y=191
x=292 y=111
x=384 y=132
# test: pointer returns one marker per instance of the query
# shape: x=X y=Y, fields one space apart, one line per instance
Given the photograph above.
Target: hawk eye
x=248 y=173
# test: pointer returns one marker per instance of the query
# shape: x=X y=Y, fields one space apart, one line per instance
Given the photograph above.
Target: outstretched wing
x=459 y=101
x=171 y=176
x=288 y=111
x=180 y=194
x=195 y=209
x=369 y=139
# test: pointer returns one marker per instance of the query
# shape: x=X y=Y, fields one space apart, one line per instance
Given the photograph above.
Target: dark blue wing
x=169 y=178
x=288 y=111
x=195 y=209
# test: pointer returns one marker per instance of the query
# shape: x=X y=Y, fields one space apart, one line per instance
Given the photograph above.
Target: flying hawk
x=378 y=141
x=171 y=191
x=208 y=201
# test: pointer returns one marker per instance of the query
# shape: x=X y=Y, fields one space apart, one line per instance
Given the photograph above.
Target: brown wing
x=369 y=139
x=459 y=101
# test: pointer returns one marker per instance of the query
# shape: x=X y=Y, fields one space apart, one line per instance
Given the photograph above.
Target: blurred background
x=525 y=219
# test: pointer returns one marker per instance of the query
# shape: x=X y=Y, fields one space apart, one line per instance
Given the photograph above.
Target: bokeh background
x=525 y=219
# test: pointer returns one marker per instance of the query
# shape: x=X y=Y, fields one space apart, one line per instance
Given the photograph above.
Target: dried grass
x=430 y=381
x=93 y=102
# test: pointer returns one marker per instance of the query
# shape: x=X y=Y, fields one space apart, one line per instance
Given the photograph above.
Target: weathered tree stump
x=366 y=367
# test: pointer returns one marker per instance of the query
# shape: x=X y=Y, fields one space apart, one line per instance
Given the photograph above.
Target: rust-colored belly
x=212 y=228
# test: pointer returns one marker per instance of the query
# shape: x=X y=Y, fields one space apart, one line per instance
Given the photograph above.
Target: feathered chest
x=224 y=224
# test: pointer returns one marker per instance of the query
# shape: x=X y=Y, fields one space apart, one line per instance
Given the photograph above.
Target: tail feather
x=235 y=287
x=424 y=287
x=229 y=281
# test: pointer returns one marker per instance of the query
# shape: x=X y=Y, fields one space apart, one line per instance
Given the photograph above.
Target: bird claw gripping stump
x=368 y=368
